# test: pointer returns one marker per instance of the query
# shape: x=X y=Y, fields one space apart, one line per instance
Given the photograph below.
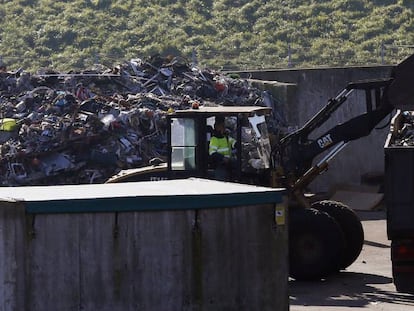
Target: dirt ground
x=366 y=284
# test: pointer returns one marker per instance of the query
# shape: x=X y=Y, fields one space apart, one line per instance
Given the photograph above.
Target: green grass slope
x=235 y=34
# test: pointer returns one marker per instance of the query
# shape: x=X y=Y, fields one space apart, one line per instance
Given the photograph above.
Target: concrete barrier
x=132 y=247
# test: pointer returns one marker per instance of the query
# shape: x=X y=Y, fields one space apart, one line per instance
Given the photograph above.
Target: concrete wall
x=214 y=259
x=306 y=91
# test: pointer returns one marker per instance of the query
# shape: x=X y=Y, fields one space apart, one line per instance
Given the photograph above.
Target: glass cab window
x=256 y=145
x=183 y=144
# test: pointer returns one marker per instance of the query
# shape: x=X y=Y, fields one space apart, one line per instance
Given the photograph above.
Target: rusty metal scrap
x=403 y=133
x=82 y=127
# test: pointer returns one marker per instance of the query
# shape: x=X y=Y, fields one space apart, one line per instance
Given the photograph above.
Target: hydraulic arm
x=296 y=152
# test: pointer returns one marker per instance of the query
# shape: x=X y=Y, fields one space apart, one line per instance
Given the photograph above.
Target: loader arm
x=296 y=152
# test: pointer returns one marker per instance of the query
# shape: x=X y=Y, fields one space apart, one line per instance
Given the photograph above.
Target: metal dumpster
x=190 y=244
x=399 y=199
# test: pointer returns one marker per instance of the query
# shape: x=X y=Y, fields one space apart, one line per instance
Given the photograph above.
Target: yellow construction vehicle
x=324 y=236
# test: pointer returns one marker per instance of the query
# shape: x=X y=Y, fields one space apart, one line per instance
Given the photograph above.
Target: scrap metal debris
x=403 y=132
x=82 y=127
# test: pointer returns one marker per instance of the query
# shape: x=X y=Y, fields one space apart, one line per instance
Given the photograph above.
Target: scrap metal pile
x=82 y=127
x=403 y=134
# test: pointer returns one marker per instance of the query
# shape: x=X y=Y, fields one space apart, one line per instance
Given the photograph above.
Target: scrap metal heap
x=83 y=127
x=403 y=130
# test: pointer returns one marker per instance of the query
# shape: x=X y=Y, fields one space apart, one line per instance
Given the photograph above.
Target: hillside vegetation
x=233 y=34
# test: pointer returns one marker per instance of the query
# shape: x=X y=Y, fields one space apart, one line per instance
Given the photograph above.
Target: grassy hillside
x=230 y=34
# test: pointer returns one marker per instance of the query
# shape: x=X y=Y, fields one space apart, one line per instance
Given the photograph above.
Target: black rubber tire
x=315 y=243
x=403 y=282
x=351 y=226
x=402 y=265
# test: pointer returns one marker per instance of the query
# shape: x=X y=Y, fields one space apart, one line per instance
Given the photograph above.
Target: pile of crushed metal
x=403 y=130
x=83 y=127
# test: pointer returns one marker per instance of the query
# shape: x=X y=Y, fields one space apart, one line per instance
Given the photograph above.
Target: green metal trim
x=153 y=203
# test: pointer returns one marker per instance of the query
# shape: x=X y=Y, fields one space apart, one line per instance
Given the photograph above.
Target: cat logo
x=325 y=141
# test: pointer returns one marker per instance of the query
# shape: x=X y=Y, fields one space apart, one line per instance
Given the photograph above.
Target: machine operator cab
x=189 y=135
x=192 y=130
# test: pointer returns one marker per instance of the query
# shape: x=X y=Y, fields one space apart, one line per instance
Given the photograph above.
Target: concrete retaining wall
x=306 y=91
x=214 y=259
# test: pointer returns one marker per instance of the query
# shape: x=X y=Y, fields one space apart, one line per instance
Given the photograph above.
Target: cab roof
x=208 y=111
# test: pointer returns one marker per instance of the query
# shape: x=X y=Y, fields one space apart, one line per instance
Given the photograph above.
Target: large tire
x=315 y=243
x=351 y=227
x=403 y=281
x=402 y=265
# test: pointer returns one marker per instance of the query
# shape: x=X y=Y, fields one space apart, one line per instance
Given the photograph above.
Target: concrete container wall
x=13 y=235
x=214 y=259
x=308 y=90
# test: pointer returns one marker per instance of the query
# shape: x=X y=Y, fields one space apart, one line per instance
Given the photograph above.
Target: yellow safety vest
x=221 y=145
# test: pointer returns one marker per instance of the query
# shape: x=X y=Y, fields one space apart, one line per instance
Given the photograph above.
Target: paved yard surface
x=366 y=284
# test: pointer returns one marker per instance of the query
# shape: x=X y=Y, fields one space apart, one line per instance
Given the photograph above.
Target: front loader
x=324 y=236
x=314 y=251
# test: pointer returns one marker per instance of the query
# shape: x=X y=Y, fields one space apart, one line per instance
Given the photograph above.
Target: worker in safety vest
x=220 y=150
